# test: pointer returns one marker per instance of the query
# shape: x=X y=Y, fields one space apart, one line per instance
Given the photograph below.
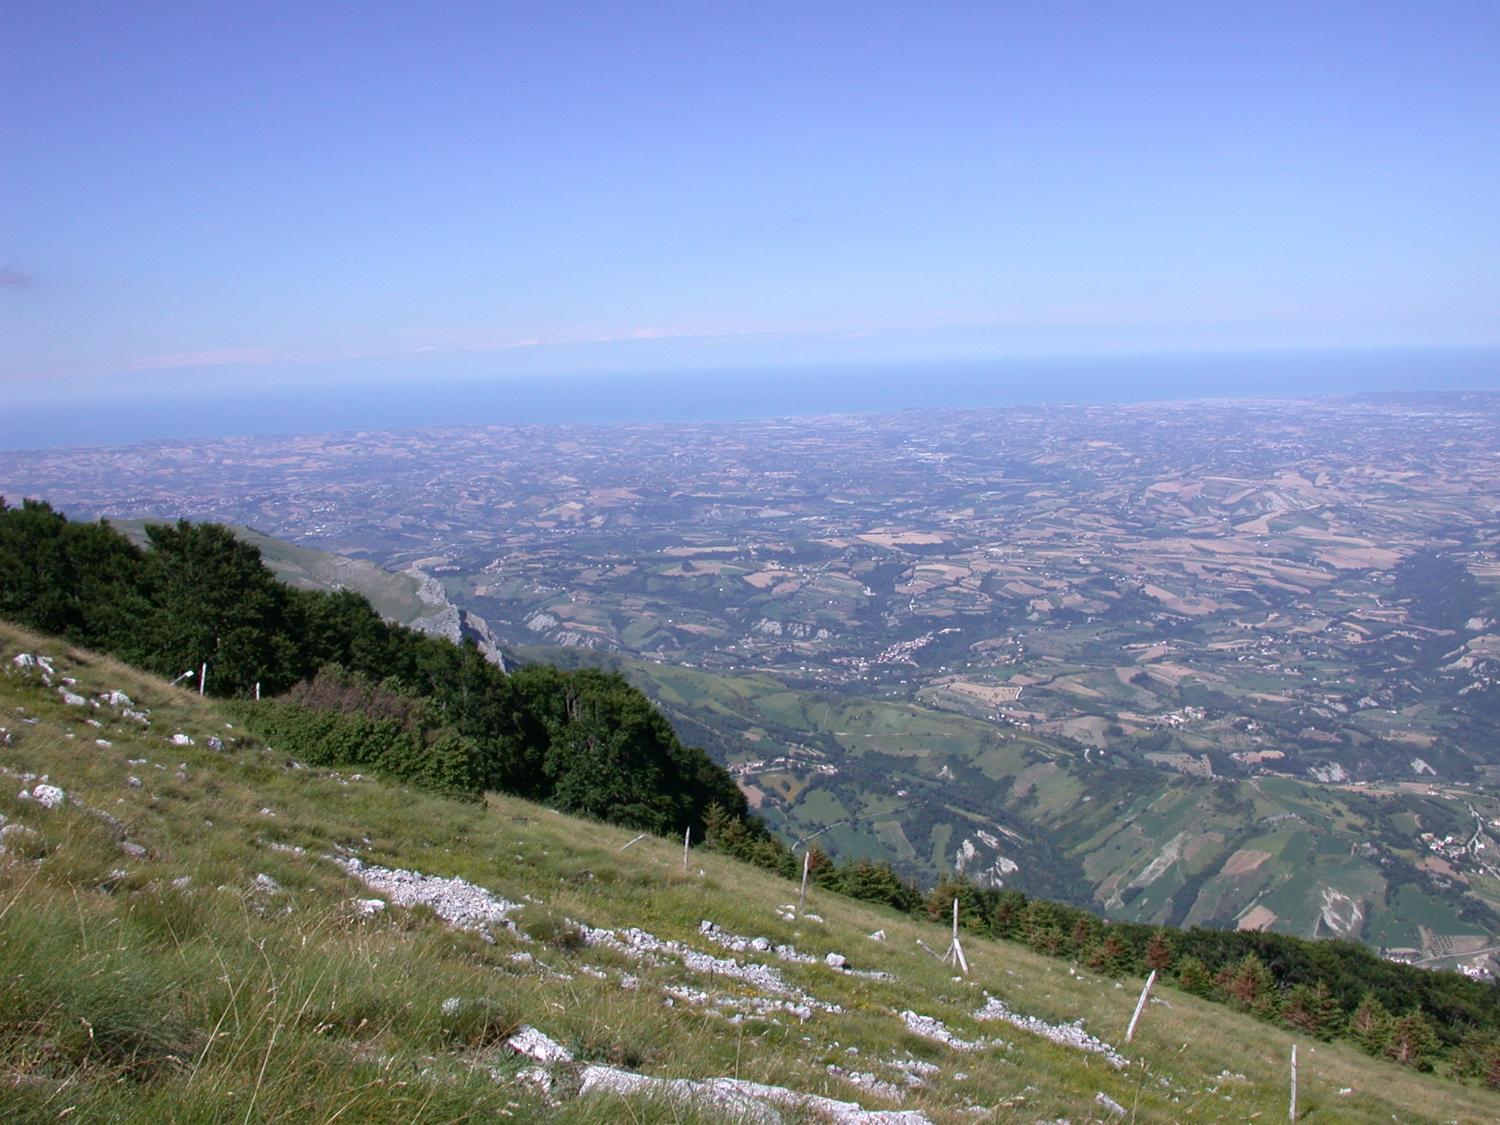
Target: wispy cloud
x=207 y=357
x=11 y=278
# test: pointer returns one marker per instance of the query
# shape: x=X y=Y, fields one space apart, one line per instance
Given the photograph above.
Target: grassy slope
x=126 y=996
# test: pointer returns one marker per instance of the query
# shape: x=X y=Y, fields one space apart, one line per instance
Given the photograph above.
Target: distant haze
x=106 y=412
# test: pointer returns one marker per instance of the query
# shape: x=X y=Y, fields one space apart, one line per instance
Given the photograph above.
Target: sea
x=125 y=410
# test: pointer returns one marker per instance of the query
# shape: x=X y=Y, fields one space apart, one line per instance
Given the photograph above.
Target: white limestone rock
x=738 y=1100
x=456 y=901
x=1063 y=1034
x=538 y=1047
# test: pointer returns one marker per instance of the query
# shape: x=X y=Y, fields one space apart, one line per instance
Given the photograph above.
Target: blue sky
x=251 y=193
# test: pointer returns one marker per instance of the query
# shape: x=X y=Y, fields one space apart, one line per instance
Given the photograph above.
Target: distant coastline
x=95 y=412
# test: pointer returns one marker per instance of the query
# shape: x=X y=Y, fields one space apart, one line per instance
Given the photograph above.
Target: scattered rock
x=11 y=832
x=929 y=1028
x=456 y=901
x=1064 y=1034
x=878 y=935
x=49 y=796
x=180 y=739
x=914 y=1072
x=1109 y=1103
x=41 y=666
x=867 y=1081
x=736 y=1099
x=73 y=700
x=643 y=946
x=264 y=882
x=117 y=699
x=133 y=849
x=368 y=907
x=182 y=882
x=132 y=782
x=539 y=1078
x=535 y=1045
x=836 y=961
x=215 y=743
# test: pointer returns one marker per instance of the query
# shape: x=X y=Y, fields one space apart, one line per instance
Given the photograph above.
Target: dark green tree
x=1370 y=1025
x=1312 y=1009
x=1193 y=976
x=1412 y=1041
x=215 y=602
x=1248 y=985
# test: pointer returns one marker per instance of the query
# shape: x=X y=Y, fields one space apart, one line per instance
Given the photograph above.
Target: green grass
x=129 y=995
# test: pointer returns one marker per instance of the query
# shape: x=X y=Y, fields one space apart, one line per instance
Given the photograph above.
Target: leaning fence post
x=806 y=867
x=1140 y=1006
x=203 y=678
x=687 y=842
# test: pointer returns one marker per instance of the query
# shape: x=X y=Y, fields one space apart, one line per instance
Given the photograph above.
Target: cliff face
x=446 y=619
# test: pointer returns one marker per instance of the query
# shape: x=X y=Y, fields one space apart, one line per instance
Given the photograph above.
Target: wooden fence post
x=1140 y=1006
x=955 y=950
x=1291 y=1113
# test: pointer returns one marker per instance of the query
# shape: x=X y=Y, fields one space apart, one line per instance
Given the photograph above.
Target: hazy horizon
x=109 y=412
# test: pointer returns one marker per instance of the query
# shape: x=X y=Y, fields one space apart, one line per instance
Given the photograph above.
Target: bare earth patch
x=1258 y=919
x=1244 y=861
